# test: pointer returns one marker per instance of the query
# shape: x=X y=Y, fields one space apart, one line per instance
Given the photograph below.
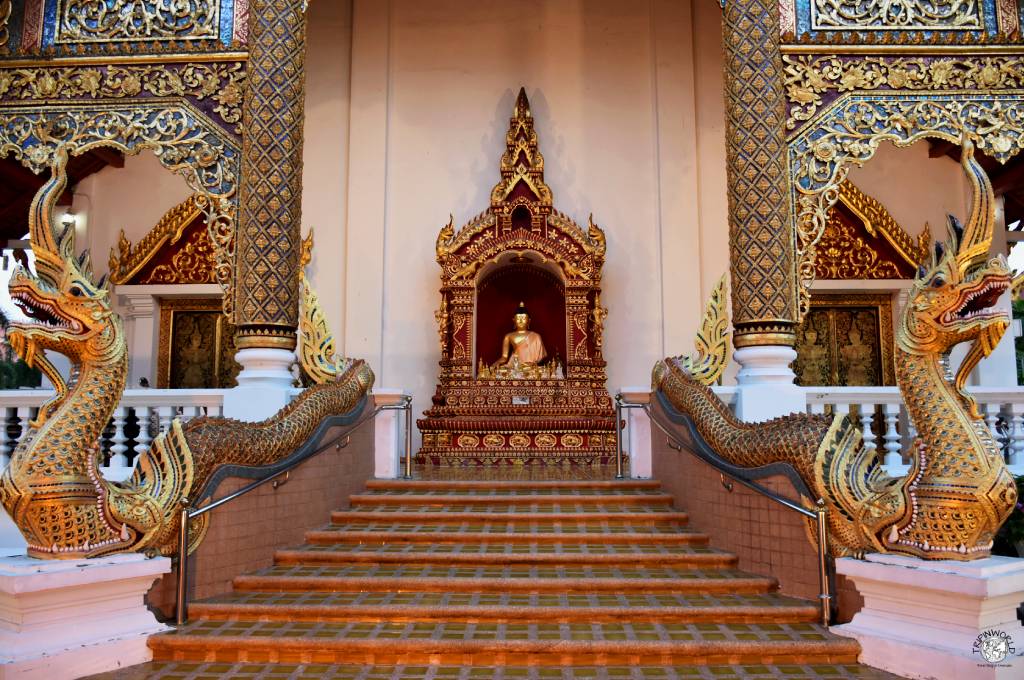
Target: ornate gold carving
x=5 y=18
x=221 y=83
x=270 y=204
x=126 y=261
x=811 y=78
x=707 y=366
x=761 y=244
x=876 y=220
x=887 y=15
x=842 y=254
x=196 y=345
x=51 y=488
x=951 y=301
x=851 y=128
x=84 y=21
x=317 y=355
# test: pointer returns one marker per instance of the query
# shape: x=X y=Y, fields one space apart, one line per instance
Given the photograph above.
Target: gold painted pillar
x=762 y=236
x=270 y=202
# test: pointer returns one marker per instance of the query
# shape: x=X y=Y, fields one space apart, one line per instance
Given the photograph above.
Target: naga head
x=954 y=295
x=67 y=312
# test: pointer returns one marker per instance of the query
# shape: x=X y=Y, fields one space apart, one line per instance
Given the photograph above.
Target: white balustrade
x=17 y=407
x=1002 y=409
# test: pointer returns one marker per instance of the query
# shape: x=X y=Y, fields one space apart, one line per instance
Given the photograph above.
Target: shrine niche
x=846 y=340
x=863 y=241
x=520 y=327
x=197 y=345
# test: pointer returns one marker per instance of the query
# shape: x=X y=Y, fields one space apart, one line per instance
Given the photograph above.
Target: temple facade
x=513 y=213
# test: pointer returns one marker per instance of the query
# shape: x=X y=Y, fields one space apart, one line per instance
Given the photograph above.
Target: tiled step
x=485 y=532
x=498 y=579
x=510 y=513
x=442 y=497
x=183 y=670
x=419 y=484
x=502 y=554
x=434 y=642
x=506 y=607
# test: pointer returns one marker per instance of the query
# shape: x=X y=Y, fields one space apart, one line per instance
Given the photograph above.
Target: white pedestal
x=924 y=619
x=765 y=387
x=71 y=618
x=388 y=439
x=264 y=384
x=637 y=433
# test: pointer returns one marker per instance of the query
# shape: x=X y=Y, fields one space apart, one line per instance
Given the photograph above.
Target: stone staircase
x=444 y=576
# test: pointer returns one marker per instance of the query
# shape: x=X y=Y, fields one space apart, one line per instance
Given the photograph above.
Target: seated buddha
x=522 y=351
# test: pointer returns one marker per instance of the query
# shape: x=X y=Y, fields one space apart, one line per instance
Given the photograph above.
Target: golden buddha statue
x=522 y=352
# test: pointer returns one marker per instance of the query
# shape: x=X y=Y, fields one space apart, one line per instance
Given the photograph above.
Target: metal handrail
x=819 y=514
x=189 y=513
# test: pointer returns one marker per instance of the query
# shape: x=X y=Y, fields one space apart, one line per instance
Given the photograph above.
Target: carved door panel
x=197 y=345
x=846 y=340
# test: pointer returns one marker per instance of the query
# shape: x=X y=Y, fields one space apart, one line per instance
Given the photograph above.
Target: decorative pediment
x=863 y=241
x=177 y=250
x=521 y=216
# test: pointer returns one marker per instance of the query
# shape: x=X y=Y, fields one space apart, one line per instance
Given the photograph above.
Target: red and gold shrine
x=520 y=324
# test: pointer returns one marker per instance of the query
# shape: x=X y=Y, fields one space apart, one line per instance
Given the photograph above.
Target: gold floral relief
x=221 y=83
x=846 y=340
x=904 y=15
x=90 y=21
x=843 y=254
x=197 y=346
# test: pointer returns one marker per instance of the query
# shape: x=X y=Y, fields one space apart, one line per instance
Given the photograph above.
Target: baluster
x=991 y=420
x=143 y=413
x=893 y=450
x=23 y=415
x=817 y=408
x=867 y=419
x=118 y=459
x=166 y=415
x=1017 y=435
x=5 y=449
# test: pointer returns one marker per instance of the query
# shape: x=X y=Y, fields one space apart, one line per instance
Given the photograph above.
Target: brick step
x=445 y=497
x=507 y=608
x=544 y=485
x=484 y=513
x=512 y=579
x=500 y=533
x=185 y=670
x=432 y=642
x=347 y=553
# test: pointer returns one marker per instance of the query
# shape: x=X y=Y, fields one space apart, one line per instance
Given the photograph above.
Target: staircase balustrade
x=139 y=418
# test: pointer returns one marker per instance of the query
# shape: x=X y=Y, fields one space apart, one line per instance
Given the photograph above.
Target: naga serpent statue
x=52 y=487
x=958 y=491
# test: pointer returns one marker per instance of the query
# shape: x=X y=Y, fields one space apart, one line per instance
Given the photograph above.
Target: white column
x=765 y=383
x=140 y=324
x=264 y=384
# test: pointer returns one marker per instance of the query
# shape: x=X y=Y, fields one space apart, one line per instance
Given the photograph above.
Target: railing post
x=182 y=613
x=5 y=456
x=618 y=436
x=825 y=596
x=408 y=437
x=893 y=454
x=1016 y=434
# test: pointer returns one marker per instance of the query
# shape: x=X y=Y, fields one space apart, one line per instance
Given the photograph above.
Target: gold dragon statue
x=958 y=491
x=52 y=488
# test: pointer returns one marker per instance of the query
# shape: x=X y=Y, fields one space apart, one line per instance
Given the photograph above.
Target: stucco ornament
x=958 y=491
x=51 y=488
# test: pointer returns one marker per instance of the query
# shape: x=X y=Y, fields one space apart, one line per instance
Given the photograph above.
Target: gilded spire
x=522 y=167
